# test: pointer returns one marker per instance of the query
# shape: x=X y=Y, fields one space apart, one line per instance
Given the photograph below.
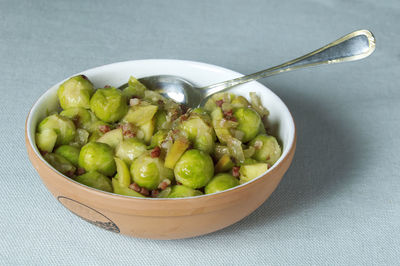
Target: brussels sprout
x=95 y=136
x=63 y=126
x=83 y=118
x=160 y=119
x=249 y=123
x=222 y=97
x=164 y=193
x=122 y=190
x=96 y=156
x=134 y=89
x=149 y=172
x=239 y=102
x=140 y=114
x=249 y=161
x=109 y=104
x=221 y=182
x=123 y=175
x=194 y=169
x=129 y=149
x=95 y=180
x=81 y=138
x=180 y=191
x=199 y=111
x=175 y=152
x=158 y=138
x=70 y=153
x=46 y=140
x=224 y=164
x=75 y=92
x=200 y=133
x=250 y=171
x=147 y=129
x=221 y=131
x=267 y=149
x=60 y=163
x=112 y=137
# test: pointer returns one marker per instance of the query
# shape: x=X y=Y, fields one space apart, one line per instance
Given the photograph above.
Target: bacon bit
x=228 y=114
x=164 y=184
x=160 y=102
x=268 y=157
x=80 y=171
x=107 y=86
x=154 y=193
x=235 y=171
x=129 y=134
x=70 y=173
x=155 y=153
x=83 y=76
x=144 y=191
x=43 y=153
x=135 y=187
x=174 y=115
x=219 y=103
x=178 y=183
x=184 y=117
x=134 y=101
x=258 y=144
x=233 y=119
x=104 y=128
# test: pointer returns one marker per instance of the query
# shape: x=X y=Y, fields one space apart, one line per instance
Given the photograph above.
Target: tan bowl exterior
x=161 y=218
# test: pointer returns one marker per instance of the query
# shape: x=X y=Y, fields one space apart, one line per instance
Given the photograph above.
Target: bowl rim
x=284 y=156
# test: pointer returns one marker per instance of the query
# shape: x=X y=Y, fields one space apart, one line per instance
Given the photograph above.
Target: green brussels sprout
x=96 y=156
x=199 y=111
x=75 y=92
x=158 y=138
x=239 y=102
x=46 y=140
x=221 y=182
x=199 y=133
x=249 y=161
x=134 y=89
x=122 y=190
x=129 y=149
x=249 y=123
x=64 y=128
x=70 y=153
x=95 y=136
x=95 y=180
x=83 y=118
x=194 y=169
x=81 y=138
x=60 y=163
x=250 y=171
x=267 y=149
x=160 y=119
x=109 y=104
x=180 y=191
x=149 y=172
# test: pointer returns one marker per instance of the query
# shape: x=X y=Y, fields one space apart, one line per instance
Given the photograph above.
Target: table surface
x=339 y=202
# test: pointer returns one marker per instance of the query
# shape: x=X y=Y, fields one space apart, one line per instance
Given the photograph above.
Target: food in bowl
x=136 y=142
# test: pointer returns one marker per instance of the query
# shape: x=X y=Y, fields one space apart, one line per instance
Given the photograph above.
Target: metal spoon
x=354 y=46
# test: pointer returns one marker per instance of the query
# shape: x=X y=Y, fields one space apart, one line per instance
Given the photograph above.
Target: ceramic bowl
x=164 y=218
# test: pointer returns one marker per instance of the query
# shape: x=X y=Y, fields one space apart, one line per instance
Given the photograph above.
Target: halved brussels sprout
x=99 y=157
x=129 y=149
x=194 y=169
x=158 y=138
x=83 y=118
x=112 y=137
x=250 y=171
x=123 y=175
x=64 y=128
x=267 y=149
x=224 y=164
x=221 y=182
x=240 y=102
x=70 y=153
x=46 y=140
x=249 y=123
x=81 y=138
x=176 y=151
x=134 y=89
x=180 y=191
x=60 y=163
x=140 y=114
x=122 y=190
x=160 y=119
x=75 y=92
x=109 y=104
x=149 y=172
x=95 y=180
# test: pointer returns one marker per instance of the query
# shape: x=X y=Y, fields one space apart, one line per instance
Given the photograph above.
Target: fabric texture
x=339 y=203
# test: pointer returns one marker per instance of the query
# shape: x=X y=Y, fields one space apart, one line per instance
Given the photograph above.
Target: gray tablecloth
x=339 y=202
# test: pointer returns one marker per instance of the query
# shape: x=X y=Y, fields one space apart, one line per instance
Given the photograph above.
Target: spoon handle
x=354 y=46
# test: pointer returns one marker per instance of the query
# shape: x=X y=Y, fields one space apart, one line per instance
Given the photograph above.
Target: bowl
x=158 y=218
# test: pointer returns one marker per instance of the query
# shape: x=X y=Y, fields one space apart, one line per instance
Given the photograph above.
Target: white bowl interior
x=200 y=74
